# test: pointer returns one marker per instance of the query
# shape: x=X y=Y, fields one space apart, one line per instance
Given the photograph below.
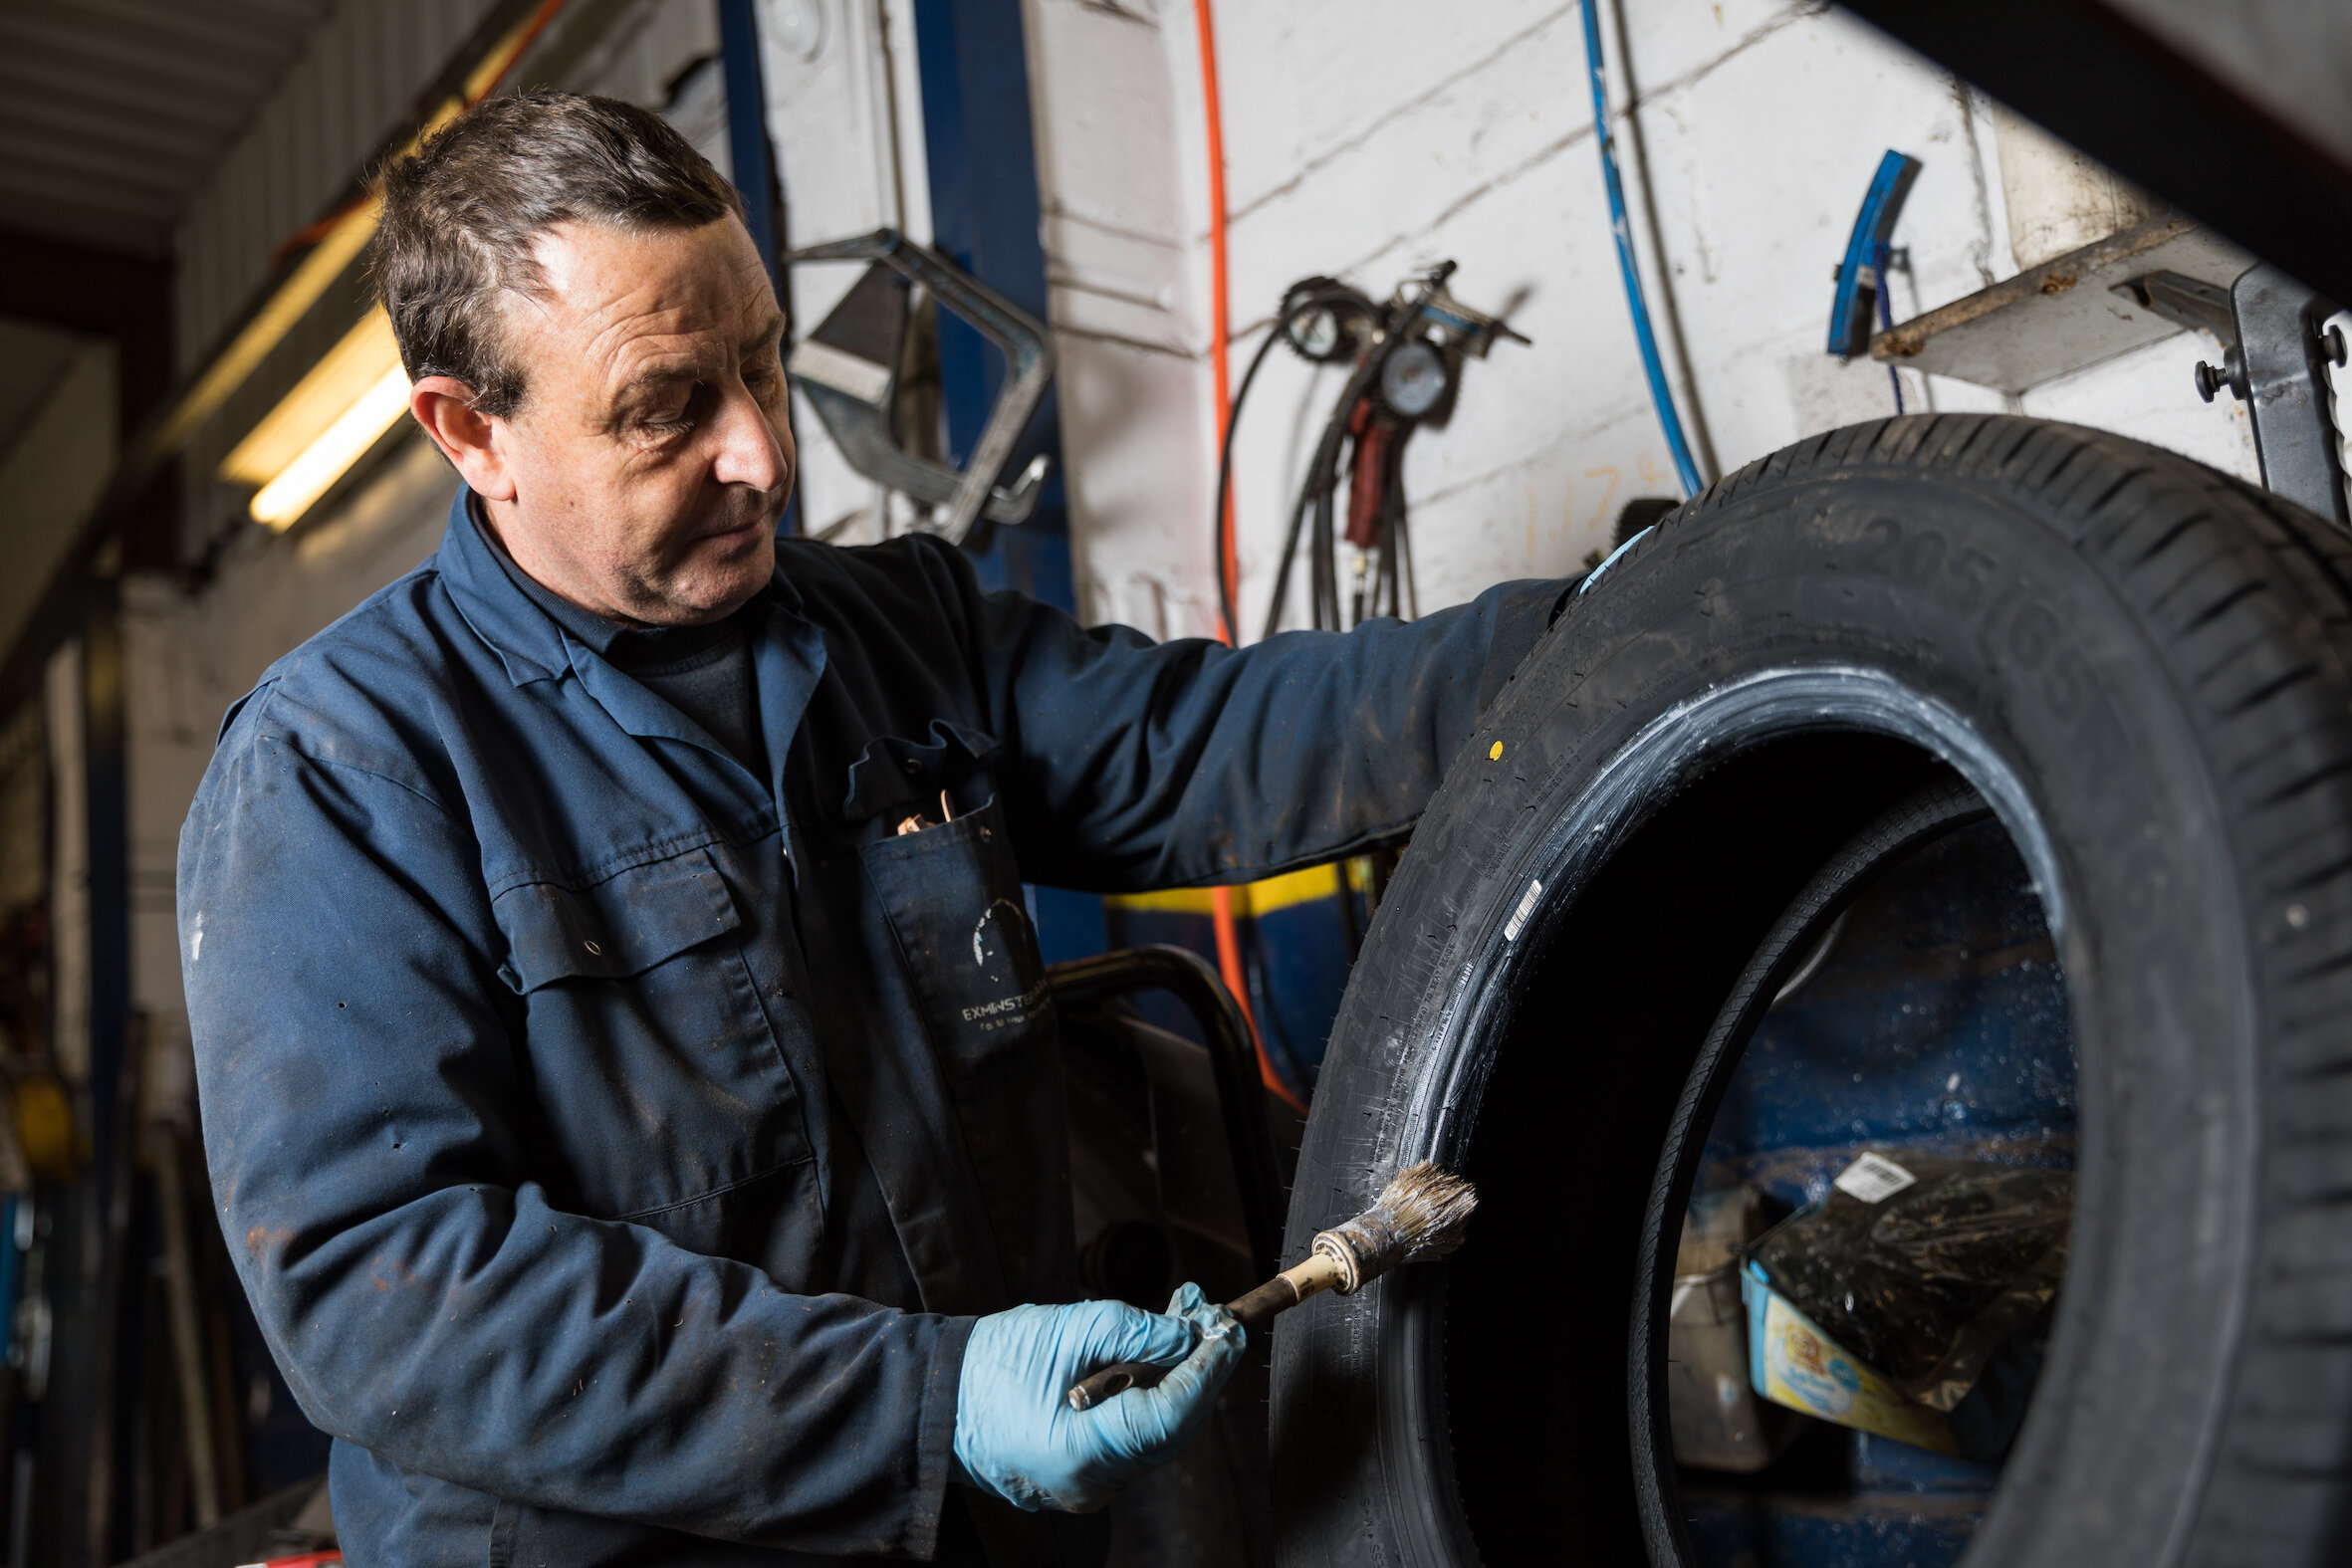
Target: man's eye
x=672 y=415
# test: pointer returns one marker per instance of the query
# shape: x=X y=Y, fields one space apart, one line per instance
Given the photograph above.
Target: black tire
x=2141 y=665
x=1638 y=513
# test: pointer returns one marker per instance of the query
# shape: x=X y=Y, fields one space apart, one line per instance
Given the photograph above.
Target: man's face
x=650 y=460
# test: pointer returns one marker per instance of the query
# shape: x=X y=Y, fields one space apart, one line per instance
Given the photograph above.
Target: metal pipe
x=187 y=1337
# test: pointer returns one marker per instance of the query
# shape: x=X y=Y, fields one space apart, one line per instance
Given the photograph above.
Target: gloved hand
x=1018 y=1438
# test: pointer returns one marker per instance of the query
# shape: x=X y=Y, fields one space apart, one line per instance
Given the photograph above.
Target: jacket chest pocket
x=952 y=893
x=651 y=1054
x=953 y=896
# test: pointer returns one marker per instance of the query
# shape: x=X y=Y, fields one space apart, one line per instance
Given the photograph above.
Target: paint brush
x=1417 y=1219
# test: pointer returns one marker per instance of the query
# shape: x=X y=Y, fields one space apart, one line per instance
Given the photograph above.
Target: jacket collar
x=788 y=650
x=526 y=638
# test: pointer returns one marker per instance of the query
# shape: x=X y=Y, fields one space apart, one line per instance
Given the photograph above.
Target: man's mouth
x=737 y=531
x=750 y=524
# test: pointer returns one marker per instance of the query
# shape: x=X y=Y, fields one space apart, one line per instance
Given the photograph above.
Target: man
x=628 y=1079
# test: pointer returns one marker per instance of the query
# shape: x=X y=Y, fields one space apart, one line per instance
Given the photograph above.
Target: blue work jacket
x=545 y=1047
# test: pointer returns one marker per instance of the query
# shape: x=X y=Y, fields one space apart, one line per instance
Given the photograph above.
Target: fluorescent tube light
x=333 y=415
x=303 y=481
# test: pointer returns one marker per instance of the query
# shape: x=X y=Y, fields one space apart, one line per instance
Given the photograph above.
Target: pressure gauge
x=1321 y=318
x=1412 y=379
x=1314 y=334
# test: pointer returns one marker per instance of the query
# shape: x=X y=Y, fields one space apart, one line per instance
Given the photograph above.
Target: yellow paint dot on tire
x=1495 y=755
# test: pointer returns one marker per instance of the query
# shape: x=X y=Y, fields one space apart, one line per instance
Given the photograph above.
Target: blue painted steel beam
x=986 y=218
x=747 y=122
x=754 y=160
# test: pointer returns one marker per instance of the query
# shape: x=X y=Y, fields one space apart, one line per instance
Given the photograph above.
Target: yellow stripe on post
x=1249 y=899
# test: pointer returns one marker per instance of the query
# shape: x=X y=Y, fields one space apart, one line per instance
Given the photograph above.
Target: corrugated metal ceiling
x=113 y=112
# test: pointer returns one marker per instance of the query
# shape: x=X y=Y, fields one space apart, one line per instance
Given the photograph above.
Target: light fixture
x=333 y=417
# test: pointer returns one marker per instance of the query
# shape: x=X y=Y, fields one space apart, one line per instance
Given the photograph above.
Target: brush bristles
x=1430 y=1207
x=1418 y=1219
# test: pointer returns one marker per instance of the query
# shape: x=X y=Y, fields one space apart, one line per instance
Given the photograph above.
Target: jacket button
x=593 y=948
x=913 y=767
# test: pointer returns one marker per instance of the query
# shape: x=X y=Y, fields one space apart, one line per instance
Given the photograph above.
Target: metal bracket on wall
x=2191 y=302
x=2278 y=369
x=848 y=366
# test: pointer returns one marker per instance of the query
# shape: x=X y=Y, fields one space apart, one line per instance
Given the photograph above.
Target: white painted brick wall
x=1370 y=137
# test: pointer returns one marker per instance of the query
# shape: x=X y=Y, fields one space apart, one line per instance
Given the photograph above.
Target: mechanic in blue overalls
x=628 y=1079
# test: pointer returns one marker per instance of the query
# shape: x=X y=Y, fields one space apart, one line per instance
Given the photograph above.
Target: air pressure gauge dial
x=1314 y=334
x=1321 y=318
x=1412 y=379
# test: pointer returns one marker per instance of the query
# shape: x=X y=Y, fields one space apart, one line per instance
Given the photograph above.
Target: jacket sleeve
x=1141 y=765
x=368 y=1131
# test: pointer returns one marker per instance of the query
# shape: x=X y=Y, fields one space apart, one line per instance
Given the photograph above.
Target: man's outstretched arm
x=1139 y=765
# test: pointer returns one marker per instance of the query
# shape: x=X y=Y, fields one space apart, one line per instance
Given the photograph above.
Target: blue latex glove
x=1018 y=1438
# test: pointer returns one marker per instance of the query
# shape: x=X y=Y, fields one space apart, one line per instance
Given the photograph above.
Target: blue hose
x=1660 y=392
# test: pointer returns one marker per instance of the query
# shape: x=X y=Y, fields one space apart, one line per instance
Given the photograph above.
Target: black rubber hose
x=1324 y=557
x=1232 y=421
x=1387 y=598
x=1327 y=457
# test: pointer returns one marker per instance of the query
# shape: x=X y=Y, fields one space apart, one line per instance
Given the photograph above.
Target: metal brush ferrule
x=1360 y=1250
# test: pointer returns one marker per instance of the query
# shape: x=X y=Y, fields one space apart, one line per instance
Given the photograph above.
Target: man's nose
x=751 y=452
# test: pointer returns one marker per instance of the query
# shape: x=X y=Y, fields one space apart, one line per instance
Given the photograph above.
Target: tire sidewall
x=1971 y=600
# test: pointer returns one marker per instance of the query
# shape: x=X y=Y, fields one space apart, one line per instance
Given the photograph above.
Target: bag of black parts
x=1914 y=1301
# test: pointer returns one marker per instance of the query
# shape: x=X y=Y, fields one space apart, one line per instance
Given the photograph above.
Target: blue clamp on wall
x=1859 y=289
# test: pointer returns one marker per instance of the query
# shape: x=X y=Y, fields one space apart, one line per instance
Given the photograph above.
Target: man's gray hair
x=461 y=215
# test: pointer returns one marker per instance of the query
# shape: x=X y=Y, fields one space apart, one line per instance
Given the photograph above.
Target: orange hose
x=1229 y=964
x=1229 y=942
x=1220 y=368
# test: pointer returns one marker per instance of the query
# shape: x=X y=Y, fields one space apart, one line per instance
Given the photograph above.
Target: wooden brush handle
x=1284 y=1291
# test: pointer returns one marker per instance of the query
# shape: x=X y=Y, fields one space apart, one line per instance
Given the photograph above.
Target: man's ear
x=474 y=442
